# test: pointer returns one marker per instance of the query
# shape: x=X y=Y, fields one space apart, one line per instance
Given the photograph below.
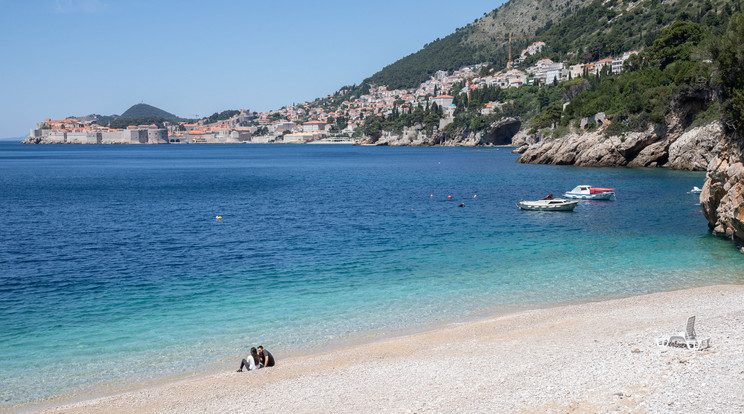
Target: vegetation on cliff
x=728 y=52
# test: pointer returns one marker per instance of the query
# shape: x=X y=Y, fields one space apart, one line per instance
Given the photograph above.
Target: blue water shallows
x=113 y=266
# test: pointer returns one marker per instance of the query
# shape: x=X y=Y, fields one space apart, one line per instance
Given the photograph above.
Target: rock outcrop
x=722 y=198
x=696 y=148
x=499 y=133
x=655 y=147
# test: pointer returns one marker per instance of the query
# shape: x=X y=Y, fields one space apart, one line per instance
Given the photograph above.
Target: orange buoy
x=219 y=217
x=431 y=196
x=449 y=197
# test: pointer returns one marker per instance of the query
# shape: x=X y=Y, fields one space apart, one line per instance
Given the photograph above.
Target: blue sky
x=75 y=57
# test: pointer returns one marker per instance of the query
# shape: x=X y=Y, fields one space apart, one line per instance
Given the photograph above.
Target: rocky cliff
x=499 y=133
x=657 y=146
x=722 y=198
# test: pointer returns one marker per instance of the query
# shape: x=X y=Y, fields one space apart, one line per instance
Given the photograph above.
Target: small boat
x=548 y=203
x=585 y=192
x=696 y=190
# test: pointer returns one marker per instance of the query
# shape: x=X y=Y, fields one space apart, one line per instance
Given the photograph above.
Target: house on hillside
x=443 y=101
x=576 y=70
x=601 y=64
x=312 y=126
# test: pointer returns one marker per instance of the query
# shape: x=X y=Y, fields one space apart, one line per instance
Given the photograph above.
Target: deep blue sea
x=114 y=269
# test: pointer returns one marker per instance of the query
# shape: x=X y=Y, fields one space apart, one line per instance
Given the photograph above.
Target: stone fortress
x=73 y=131
x=85 y=130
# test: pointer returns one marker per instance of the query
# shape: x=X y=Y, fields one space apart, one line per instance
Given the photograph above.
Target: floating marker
x=431 y=196
x=219 y=217
x=449 y=197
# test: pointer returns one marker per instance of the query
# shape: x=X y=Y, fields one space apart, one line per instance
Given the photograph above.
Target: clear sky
x=76 y=57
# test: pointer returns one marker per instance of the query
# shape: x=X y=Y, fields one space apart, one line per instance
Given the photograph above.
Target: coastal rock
x=499 y=133
x=722 y=198
x=657 y=146
x=521 y=149
x=653 y=155
x=582 y=149
x=634 y=143
x=522 y=138
x=604 y=151
x=694 y=149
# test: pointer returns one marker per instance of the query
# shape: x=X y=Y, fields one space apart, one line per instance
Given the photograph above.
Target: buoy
x=476 y=195
x=431 y=196
x=449 y=197
x=219 y=217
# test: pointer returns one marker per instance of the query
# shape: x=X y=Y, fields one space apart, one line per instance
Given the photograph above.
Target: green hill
x=580 y=30
x=142 y=110
x=477 y=42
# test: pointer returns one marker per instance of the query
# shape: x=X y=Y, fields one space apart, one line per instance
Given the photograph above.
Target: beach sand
x=583 y=358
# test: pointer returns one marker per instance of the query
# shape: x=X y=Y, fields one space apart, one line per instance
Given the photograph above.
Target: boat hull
x=597 y=196
x=536 y=206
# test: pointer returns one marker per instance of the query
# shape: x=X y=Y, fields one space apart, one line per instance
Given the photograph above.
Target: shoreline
x=506 y=341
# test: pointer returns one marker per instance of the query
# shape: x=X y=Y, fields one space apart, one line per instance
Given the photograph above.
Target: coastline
x=588 y=357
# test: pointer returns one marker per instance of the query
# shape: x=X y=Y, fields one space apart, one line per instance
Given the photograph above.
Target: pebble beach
x=579 y=358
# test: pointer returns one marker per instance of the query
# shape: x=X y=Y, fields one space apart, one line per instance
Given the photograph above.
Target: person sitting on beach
x=265 y=357
x=252 y=362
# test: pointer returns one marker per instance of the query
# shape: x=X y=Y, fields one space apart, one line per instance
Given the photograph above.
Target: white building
x=312 y=126
x=443 y=101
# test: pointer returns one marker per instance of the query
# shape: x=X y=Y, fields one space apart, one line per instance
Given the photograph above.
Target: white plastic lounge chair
x=687 y=338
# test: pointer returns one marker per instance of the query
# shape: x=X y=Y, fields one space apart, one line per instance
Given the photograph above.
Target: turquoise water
x=114 y=268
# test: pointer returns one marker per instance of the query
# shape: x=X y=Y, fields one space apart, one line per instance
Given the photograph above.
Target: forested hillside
x=477 y=42
x=145 y=110
x=581 y=31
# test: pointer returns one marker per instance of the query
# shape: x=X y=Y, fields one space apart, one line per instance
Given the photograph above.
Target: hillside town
x=437 y=90
x=314 y=122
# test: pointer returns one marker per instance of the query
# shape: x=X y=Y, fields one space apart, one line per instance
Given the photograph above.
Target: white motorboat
x=548 y=203
x=696 y=190
x=586 y=192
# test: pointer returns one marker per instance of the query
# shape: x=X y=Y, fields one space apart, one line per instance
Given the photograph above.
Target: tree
x=633 y=62
x=675 y=42
x=729 y=57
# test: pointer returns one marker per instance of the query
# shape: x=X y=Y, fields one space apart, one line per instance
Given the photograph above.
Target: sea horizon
x=120 y=271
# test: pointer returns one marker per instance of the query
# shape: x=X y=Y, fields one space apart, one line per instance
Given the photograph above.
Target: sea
x=124 y=265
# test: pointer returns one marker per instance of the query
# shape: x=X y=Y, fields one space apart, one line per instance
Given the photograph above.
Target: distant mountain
x=142 y=110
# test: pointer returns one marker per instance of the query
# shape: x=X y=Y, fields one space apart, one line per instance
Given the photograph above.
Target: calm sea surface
x=115 y=270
